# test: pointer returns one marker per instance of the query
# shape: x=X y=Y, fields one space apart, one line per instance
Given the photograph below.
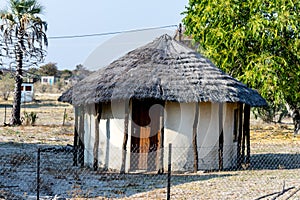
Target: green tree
x=24 y=39
x=65 y=74
x=81 y=72
x=258 y=42
x=49 y=69
x=33 y=71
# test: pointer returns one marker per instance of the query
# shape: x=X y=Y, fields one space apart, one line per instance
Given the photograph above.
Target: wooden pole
x=81 y=137
x=125 y=138
x=243 y=138
x=239 y=156
x=161 y=139
x=96 y=144
x=75 y=142
x=107 y=144
x=195 y=129
x=64 y=118
x=247 y=131
x=221 y=136
x=4 y=114
x=38 y=174
x=169 y=172
x=180 y=32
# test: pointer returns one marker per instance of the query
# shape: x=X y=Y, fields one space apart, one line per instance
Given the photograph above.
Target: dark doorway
x=145 y=134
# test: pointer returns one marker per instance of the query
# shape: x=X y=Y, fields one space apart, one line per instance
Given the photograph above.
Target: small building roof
x=165 y=70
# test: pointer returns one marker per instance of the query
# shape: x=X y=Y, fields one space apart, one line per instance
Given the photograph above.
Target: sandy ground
x=274 y=172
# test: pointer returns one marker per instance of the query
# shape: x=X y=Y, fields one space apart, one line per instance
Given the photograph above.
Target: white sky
x=73 y=17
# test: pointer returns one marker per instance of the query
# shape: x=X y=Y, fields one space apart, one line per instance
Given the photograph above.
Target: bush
x=58 y=87
x=271 y=113
x=29 y=118
x=6 y=86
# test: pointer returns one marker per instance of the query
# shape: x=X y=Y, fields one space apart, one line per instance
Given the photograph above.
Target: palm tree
x=24 y=39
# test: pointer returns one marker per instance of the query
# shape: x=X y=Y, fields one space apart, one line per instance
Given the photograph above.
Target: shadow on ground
x=275 y=161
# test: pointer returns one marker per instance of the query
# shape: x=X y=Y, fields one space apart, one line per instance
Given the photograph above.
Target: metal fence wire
x=30 y=171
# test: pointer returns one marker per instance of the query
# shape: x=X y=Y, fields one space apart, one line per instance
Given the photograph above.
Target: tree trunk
x=195 y=147
x=16 y=110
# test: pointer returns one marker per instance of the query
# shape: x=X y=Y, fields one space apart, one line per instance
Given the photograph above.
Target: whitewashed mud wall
x=178 y=131
x=179 y=119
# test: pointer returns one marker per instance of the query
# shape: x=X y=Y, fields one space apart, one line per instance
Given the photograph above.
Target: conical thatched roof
x=163 y=69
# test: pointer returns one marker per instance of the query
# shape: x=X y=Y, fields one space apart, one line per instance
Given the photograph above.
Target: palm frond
x=22 y=27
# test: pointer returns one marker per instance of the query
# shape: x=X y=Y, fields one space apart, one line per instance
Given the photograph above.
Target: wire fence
x=31 y=171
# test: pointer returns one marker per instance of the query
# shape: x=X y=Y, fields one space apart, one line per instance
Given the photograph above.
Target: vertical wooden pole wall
x=98 y=108
x=221 y=136
x=107 y=143
x=239 y=155
x=247 y=131
x=75 y=142
x=125 y=139
x=244 y=138
x=81 y=136
x=195 y=130
x=161 y=139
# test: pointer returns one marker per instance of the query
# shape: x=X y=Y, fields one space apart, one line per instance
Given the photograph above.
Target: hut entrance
x=145 y=134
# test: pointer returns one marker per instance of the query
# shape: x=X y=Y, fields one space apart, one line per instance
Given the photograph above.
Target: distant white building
x=27 y=94
x=50 y=80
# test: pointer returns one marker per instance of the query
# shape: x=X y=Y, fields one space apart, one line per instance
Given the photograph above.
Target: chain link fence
x=30 y=171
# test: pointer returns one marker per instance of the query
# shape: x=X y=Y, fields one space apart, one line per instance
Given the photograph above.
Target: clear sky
x=73 y=17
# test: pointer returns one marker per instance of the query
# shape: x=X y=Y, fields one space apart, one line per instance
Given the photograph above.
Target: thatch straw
x=166 y=70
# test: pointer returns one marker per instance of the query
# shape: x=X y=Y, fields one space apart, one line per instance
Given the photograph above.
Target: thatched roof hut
x=161 y=93
x=166 y=70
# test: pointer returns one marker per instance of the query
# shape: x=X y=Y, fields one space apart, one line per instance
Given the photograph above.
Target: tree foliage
x=23 y=40
x=65 y=74
x=81 y=72
x=49 y=69
x=23 y=30
x=256 y=41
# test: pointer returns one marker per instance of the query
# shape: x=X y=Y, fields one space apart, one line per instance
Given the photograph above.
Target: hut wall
x=179 y=118
x=230 y=147
x=178 y=131
x=89 y=134
x=111 y=136
x=208 y=135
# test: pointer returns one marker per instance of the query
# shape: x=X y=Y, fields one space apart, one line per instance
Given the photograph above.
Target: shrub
x=29 y=118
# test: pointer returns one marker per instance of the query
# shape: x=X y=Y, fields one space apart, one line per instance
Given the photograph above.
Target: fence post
x=169 y=172
x=64 y=118
x=4 y=115
x=38 y=174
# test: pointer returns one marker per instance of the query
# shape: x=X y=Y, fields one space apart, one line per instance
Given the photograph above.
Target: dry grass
x=48 y=128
